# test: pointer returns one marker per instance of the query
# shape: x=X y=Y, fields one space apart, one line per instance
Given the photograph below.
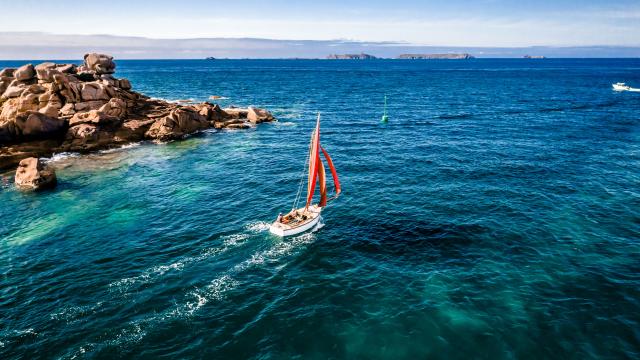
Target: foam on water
x=61 y=156
x=74 y=313
x=280 y=249
x=214 y=291
x=285 y=123
x=229 y=242
x=120 y=148
x=259 y=226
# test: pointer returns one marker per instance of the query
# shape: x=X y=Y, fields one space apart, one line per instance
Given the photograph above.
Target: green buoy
x=385 y=117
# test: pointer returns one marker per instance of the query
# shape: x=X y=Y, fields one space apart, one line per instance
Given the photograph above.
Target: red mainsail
x=314 y=159
x=317 y=170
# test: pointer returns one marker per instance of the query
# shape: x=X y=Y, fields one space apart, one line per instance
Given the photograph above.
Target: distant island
x=45 y=45
x=534 y=57
x=436 y=56
x=210 y=58
x=361 y=56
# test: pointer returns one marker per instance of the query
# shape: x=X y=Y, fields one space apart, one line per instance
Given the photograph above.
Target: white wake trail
x=216 y=290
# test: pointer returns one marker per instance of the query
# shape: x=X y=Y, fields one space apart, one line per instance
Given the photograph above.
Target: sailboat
x=301 y=219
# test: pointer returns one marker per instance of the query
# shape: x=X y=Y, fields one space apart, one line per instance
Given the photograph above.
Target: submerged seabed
x=496 y=215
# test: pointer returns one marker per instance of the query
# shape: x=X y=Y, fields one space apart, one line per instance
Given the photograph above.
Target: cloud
x=38 y=45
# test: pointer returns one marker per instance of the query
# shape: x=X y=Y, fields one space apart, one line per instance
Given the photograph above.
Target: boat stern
x=276 y=229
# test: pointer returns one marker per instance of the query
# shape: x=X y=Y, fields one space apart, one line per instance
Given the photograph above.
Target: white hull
x=313 y=214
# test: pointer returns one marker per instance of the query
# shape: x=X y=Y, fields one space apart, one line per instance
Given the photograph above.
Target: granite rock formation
x=51 y=108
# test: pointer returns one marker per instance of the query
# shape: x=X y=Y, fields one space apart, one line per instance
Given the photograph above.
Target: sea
x=495 y=216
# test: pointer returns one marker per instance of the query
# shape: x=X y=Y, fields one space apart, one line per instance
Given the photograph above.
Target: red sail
x=314 y=158
x=323 y=184
x=334 y=173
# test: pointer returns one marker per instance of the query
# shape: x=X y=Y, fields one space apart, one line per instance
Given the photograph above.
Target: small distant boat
x=624 y=87
x=385 y=117
x=299 y=220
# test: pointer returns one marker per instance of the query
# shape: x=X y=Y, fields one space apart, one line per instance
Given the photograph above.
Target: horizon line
x=335 y=60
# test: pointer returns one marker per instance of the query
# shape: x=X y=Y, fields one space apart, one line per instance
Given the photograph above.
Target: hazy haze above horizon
x=151 y=28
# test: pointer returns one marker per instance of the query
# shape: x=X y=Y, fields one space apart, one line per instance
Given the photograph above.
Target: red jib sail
x=334 y=173
x=323 y=184
x=314 y=159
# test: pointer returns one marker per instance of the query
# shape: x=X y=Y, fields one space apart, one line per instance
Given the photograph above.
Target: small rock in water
x=257 y=116
x=33 y=175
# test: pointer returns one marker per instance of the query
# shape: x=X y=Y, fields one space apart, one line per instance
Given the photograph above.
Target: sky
x=494 y=23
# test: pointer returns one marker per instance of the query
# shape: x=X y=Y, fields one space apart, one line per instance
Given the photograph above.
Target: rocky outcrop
x=53 y=107
x=361 y=56
x=33 y=175
x=177 y=124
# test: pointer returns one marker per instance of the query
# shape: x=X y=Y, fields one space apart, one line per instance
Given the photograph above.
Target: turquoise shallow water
x=496 y=215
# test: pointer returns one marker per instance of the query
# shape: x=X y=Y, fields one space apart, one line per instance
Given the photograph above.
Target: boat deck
x=298 y=223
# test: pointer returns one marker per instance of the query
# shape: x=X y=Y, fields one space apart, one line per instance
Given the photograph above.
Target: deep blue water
x=496 y=216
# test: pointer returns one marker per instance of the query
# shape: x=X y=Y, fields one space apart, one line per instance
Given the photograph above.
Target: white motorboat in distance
x=621 y=86
x=305 y=218
x=624 y=87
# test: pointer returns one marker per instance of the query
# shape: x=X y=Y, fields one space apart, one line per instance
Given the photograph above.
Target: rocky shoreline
x=52 y=108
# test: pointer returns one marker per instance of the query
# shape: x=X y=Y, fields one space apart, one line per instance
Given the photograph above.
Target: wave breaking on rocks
x=52 y=108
